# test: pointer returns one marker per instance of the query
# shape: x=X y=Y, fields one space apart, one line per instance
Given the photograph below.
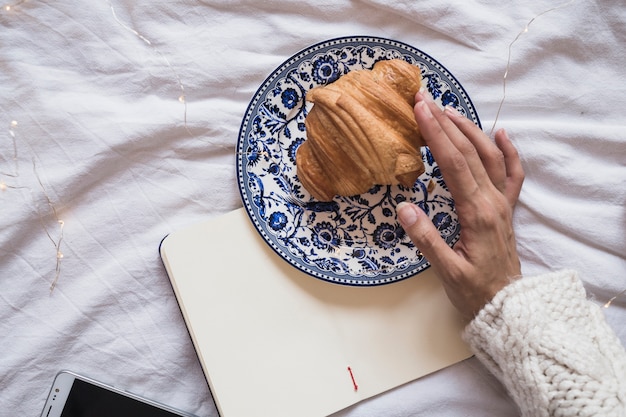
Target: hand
x=485 y=180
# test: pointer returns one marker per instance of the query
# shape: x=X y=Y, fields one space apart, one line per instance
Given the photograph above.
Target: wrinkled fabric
x=126 y=119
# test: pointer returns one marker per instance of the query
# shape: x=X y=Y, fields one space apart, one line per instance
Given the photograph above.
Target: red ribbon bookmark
x=356 y=387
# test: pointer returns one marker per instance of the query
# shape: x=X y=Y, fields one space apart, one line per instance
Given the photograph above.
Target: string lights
x=508 y=61
x=14 y=176
x=61 y=225
x=182 y=97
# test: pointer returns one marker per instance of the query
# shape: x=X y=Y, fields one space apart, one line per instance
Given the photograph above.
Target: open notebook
x=274 y=341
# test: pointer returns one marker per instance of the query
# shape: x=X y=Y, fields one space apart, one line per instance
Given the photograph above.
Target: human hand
x=485 y=180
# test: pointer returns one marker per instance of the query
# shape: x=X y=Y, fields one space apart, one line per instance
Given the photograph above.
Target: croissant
x=362 y=132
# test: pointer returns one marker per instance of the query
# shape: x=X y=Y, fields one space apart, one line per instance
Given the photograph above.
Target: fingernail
x=423 y=95
x=423 y=107
x=407 y=214
x=419 y=96
x=452 y=111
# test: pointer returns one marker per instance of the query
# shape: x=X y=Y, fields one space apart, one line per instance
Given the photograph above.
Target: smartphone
x=74 y=395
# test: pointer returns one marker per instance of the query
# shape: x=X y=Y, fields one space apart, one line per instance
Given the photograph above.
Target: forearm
x=551 y=348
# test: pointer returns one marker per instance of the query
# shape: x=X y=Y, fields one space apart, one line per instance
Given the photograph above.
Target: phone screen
x=73 y=395
x=87 y=399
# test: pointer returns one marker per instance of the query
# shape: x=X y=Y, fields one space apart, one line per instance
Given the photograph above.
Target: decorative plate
x=352 y=240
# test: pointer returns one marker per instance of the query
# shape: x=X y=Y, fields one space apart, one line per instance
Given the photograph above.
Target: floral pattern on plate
x=354 y=240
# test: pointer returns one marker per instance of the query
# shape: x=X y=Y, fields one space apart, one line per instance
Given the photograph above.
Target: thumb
x=424 y=235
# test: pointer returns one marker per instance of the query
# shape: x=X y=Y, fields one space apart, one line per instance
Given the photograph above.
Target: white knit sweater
x=552 y=348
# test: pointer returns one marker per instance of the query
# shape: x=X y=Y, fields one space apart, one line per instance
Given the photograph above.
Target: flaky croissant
x=362 y=132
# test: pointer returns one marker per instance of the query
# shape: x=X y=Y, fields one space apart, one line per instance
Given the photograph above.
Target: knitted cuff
x=551 y=348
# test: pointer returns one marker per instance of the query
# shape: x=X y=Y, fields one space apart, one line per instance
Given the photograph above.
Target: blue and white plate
x=352 y=240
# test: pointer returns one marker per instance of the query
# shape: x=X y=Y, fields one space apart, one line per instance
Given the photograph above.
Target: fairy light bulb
x=11 y=6
x=608 y=303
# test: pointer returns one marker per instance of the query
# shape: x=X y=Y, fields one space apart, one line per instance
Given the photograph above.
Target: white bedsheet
x=93 y=134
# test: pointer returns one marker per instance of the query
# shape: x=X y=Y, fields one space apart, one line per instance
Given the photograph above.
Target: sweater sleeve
x=551 y=348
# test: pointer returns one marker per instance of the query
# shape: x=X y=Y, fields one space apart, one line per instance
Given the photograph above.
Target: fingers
x=514 y=170
x=436 y=130
x=491 y=157
x=467 y=155
x=425 y=235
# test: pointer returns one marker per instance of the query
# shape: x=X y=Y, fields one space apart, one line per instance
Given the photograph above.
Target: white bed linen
x=100 y=131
